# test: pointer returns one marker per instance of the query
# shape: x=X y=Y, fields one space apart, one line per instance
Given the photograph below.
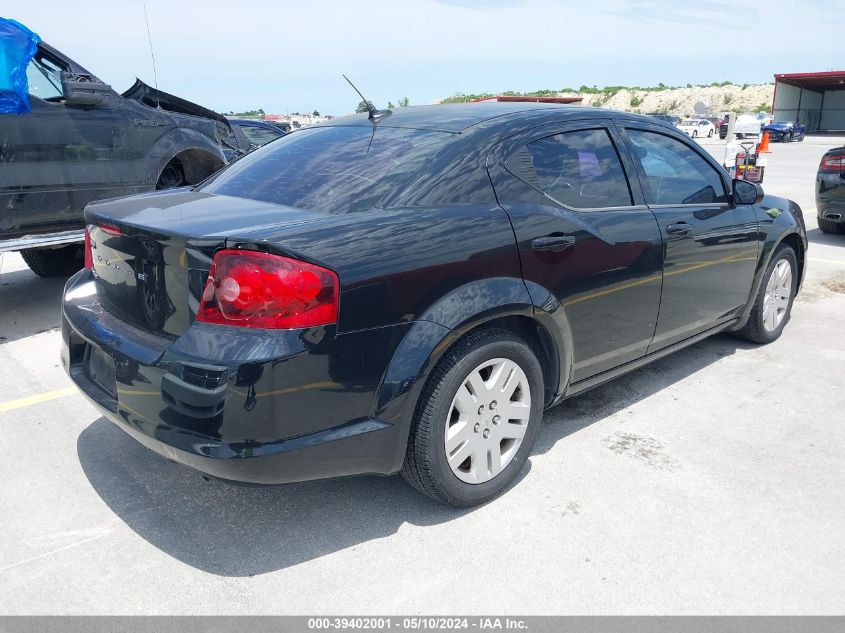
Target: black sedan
x=408 y=292
x=830 y=191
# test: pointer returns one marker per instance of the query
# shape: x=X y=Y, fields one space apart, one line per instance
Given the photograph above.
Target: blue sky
x=288 y=56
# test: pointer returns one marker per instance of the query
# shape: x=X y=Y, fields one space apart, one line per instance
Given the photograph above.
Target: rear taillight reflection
x=89 y=257
x=260 y=290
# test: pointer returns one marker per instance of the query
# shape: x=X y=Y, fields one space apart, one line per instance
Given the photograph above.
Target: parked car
x=408 y=292
x=716 y=121
x=696 y=127
x=830 y=191
x=668 y=118
x=785 y=131
x=250 y=134
x=746 y=125
x=82 y=141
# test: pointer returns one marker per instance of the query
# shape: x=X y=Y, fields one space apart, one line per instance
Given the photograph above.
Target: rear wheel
x=827 y=226
x=55 y=262
x=773 y=303
x=710 y=134
x=476 y=420
x=695 y=133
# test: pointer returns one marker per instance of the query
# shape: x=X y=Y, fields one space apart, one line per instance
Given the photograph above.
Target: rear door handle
x=680 y=228
x=552 y=243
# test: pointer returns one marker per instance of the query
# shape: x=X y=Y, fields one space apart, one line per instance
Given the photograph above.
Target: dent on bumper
x=277 y=408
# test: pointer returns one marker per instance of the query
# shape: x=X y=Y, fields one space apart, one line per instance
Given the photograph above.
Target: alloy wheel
x=487 y=420
x=778 y=292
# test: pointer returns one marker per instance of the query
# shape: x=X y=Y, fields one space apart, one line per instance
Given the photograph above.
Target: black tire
x=827 y=226
x=786 y=138
x=426 y=467
x=55 y=262
x=710 y=134
x=171 y=176
x=754 y=330
x=695 y=133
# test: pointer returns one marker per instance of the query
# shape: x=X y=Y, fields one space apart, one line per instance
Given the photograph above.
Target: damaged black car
x=81 y=141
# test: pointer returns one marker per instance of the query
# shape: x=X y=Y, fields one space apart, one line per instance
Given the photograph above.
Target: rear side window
x=340 y=169
x=578 y=169
x=674 y=173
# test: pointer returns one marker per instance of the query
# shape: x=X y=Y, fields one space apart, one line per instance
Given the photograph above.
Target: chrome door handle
x=680 y=228
x=552 y=243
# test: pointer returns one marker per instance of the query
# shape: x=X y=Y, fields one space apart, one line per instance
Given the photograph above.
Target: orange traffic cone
x=763 y=146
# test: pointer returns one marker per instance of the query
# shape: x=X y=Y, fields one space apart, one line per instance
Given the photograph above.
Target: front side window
x=44 y=78
x=674 y=173
x=578 y=169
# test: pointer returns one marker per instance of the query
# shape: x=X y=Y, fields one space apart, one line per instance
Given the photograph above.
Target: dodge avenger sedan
x=407 y=292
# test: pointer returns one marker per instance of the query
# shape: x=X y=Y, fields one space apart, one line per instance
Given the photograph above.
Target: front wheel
x=710 y=134
x=787 y=138
x=476 y=420
x=695 y=133
x=773 y=303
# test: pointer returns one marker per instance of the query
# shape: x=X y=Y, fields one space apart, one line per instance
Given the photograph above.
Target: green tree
x=390 y=105
x=315 y=113
x=404 y=102
x=364 y=106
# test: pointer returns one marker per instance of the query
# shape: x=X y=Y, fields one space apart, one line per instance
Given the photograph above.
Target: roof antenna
x=152 y=55
x=374 y=115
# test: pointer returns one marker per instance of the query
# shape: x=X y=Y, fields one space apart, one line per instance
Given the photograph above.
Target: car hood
x=777 y=126
x=154 y=98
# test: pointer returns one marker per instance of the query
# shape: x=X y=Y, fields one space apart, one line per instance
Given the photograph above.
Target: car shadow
x=28 y=304
x=232 y=530
x=817 y=236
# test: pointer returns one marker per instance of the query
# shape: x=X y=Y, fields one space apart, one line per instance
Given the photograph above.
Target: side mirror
x=745 y=192
x=84 y=90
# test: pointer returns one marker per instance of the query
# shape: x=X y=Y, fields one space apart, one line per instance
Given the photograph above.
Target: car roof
x=459 y=117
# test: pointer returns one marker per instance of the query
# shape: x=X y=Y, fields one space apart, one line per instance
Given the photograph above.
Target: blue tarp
x=17 y=46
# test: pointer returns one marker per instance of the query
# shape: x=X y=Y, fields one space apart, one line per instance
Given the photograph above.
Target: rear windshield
x=334 y=169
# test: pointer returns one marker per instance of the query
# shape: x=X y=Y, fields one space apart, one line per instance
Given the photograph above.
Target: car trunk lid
x=151 y=254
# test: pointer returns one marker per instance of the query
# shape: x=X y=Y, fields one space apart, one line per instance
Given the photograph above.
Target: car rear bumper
x=252 y=406
x=42 y=240
x=832 y=214
x=830 y=197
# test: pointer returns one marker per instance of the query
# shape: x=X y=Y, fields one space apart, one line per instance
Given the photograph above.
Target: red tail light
x=89 y=257
x=834 y=163
x=259 y=290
